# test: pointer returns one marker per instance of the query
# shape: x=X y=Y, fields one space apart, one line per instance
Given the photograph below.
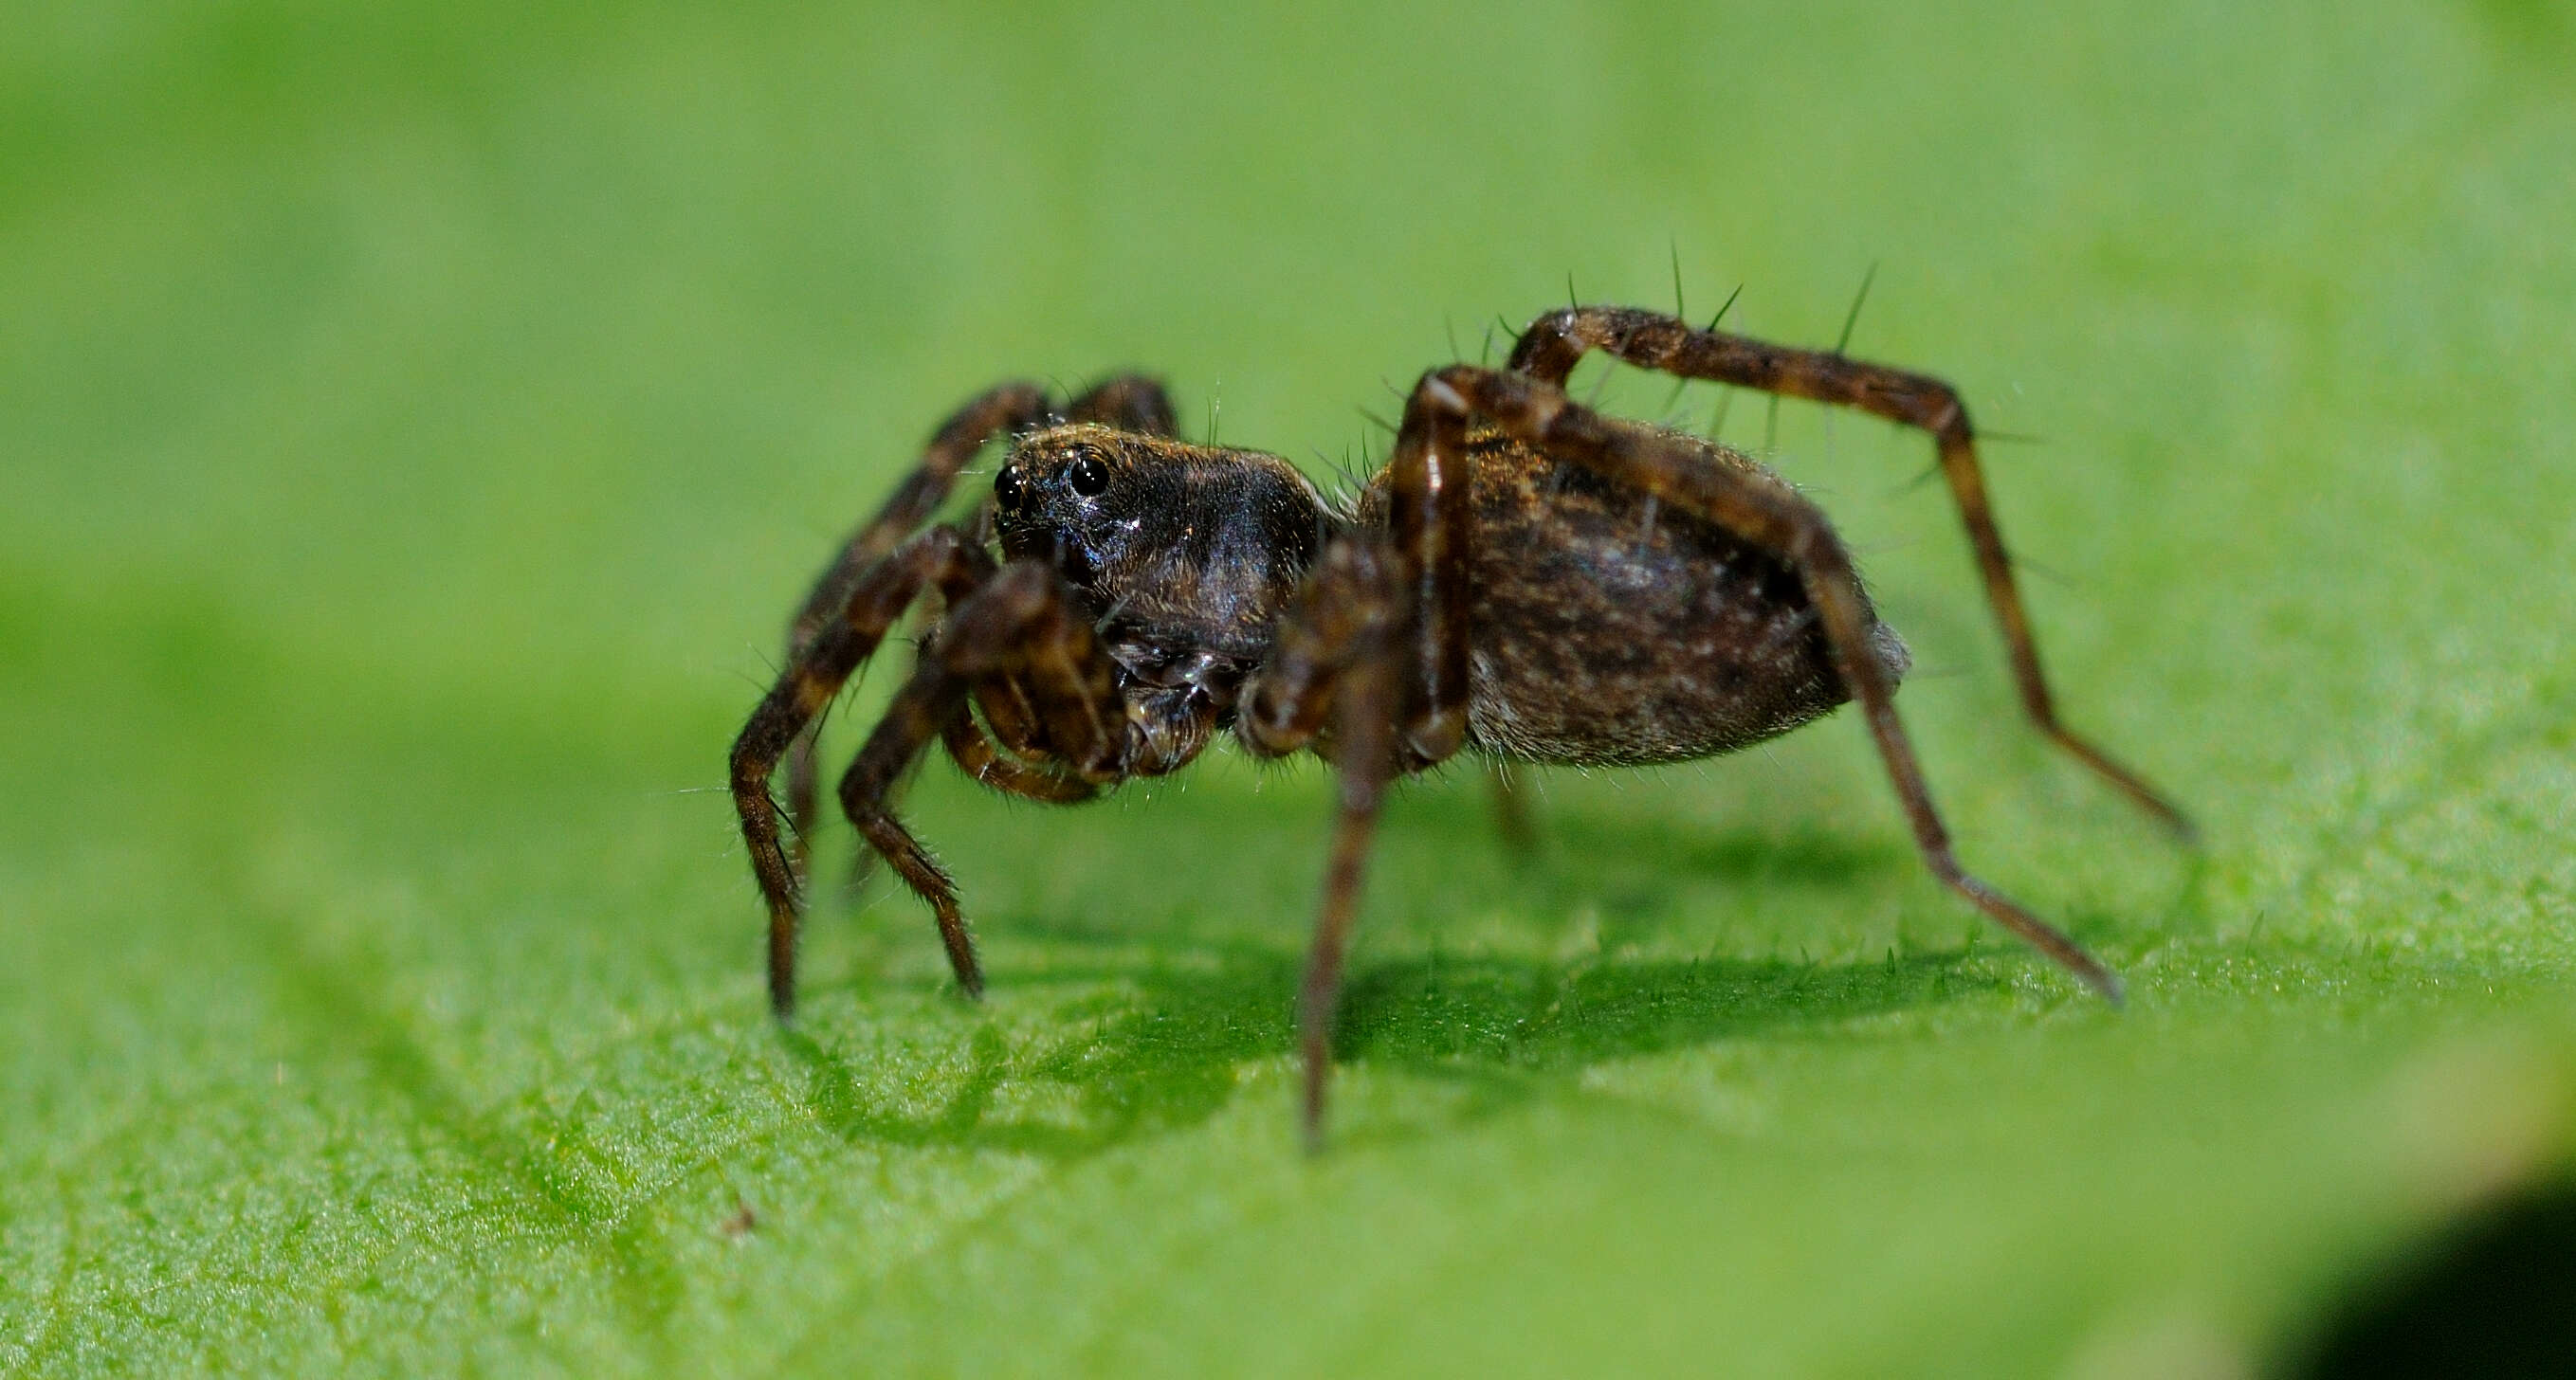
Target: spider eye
x=1008 y=488
x=1087 y=475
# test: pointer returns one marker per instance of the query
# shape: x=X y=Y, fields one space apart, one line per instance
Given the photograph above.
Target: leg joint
x=1551 y=346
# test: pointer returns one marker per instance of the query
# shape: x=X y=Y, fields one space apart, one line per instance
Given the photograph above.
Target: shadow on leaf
x=1163 y=1049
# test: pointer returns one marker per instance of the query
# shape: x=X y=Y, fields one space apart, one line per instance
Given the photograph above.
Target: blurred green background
x=416 y=424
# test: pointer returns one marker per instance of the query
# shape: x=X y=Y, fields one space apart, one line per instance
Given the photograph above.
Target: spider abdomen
x=1608 y=630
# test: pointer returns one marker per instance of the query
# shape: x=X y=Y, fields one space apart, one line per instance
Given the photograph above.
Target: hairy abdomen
x=1610 y=630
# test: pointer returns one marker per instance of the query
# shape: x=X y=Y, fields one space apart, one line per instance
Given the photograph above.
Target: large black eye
x=1009 y=489
x=1087 y=475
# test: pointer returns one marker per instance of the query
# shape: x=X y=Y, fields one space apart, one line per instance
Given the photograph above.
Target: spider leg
x=1376 y=642
x=1433 y=524
x=1428 y=489
x=1774 y=516
x=1129 y=402
x=1548 y=351
x=1019 y=624
x=1338 y=661
x=941 y=556
x=974 y=753
x=1013 y=718
x=1001 y=410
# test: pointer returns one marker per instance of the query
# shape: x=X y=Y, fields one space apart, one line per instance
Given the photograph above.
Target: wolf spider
x=1526 y=578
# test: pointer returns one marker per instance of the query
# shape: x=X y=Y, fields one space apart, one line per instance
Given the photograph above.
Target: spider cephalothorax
x=1526 y=579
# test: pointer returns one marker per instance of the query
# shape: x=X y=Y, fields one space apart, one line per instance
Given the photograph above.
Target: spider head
x=1189 y=546
x=1066 y=495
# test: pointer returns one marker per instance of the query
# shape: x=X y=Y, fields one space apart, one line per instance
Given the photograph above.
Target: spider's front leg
x=973 y=752
x=997 y=411
x=942 y=557
x=1769 y=514
x=1550 y=348
x=1019 y=627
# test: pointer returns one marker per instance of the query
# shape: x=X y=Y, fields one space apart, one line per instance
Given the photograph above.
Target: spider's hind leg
x=1773 y=516
x=1550 y=348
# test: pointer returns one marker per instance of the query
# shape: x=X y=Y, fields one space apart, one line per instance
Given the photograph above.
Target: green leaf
x=415 y=428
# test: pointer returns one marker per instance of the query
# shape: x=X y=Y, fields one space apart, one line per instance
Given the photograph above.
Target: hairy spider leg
x=1338 y=656
x=1381 y=633
x=1550 y=348
x=1362 y=619
x=1022 y=625
x=1431 y=516
x=999 y=410
x=941 y=557
x=975 y=755
x=1676 y=469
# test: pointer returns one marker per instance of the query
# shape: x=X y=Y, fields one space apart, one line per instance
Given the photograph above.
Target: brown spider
x=1526 y=578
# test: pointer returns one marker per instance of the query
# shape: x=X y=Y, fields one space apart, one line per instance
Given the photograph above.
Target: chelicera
x=1526 y=580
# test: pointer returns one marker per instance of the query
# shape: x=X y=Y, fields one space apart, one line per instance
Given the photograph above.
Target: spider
x=1527 y=579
